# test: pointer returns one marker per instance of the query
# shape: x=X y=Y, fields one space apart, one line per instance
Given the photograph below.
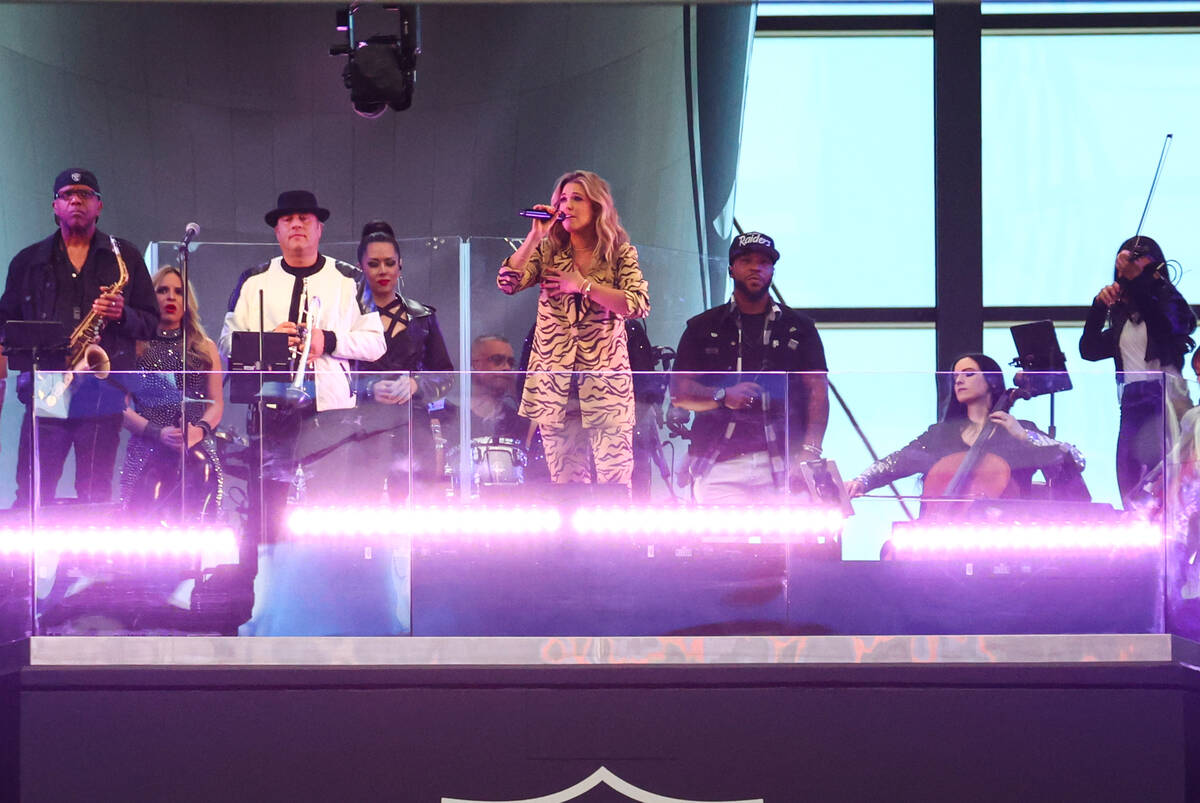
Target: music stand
x=36 y=345
x=256 y=358
x=1039 y=354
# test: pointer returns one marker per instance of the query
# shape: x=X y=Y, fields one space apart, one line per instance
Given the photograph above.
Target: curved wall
x=205 y=112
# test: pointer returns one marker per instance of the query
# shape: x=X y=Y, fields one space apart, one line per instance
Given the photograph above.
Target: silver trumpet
x=294 y=393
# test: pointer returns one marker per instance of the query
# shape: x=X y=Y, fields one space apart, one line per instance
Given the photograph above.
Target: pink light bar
x=785 y=523
x=749 y=523
x=930 y=540
x=147 y=542
x=388 y=522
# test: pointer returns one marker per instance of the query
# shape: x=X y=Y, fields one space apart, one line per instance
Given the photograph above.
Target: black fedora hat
x=294 y=202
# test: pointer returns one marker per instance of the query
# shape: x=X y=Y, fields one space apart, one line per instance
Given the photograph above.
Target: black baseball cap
x=76 y=176
x=752 y=241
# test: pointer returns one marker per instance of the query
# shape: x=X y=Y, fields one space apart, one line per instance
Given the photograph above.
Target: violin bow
x=1162 y=157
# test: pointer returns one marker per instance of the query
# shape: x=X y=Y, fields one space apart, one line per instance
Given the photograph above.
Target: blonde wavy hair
x=610 y=235
x=192 y=328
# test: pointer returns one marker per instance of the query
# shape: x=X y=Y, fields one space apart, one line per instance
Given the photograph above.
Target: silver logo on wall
x=608 y=778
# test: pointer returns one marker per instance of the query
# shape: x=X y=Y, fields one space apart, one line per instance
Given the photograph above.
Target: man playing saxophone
x=68 y=277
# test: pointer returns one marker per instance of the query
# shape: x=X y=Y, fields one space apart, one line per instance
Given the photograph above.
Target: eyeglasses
x=499 y=360
x=82 y=195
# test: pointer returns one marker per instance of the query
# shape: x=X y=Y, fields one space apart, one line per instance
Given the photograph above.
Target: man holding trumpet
x=281 y=293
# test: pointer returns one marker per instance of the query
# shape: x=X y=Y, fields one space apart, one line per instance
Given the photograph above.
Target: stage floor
x=775 y=719
x=1129 y=650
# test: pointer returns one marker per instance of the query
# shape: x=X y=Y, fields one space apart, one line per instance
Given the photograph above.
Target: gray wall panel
x=372 y=179
x=214 y=170
x=253 y=176
x=205 y=112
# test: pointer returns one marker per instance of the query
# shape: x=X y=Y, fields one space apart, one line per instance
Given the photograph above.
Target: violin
x=958 y=479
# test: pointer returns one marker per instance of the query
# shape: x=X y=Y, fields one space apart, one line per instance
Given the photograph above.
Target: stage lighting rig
x=381 y=69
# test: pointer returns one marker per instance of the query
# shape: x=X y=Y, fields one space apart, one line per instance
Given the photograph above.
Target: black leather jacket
x=420 y=347
x=31 y=294
x=1169 y=322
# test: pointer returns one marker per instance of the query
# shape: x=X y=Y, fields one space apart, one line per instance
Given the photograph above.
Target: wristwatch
x=719 y=396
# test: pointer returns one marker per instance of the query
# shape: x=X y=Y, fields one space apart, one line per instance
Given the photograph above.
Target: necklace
x=170 y=334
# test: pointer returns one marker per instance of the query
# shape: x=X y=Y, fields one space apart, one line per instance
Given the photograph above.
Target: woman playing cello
x=977 y=386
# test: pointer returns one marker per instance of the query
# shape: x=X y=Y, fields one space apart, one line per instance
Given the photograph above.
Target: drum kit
x=495 y=461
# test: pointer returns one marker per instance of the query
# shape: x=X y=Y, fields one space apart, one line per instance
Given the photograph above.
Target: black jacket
x=709 y=348
x=31 y=294
x=1169 y=322
x=420 y=347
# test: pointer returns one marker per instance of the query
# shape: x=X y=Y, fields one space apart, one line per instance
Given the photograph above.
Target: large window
x=837 y=165
x=1072 y=131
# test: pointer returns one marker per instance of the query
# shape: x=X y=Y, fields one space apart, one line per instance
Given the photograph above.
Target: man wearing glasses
x=494 y=418
x=494 y=390
x=60 y=279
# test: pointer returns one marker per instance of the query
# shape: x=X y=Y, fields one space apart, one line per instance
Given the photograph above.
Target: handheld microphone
x=189 y=232
x=540 y=214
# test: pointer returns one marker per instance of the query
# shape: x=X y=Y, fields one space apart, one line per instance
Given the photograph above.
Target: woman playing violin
x=977 y=384
x=1142 y=322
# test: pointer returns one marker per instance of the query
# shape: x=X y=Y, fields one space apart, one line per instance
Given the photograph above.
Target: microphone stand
x=854 y=423
x=182 y=250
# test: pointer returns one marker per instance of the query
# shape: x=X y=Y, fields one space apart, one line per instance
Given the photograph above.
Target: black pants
x=95 y=435
x=1142 y=437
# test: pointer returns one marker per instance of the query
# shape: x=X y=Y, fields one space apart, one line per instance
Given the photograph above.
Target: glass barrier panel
x=716 y=504
x=429 y=274
x=118 y=543
x=337 y=480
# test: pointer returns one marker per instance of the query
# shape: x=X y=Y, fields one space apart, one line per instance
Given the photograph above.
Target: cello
x=955 y=481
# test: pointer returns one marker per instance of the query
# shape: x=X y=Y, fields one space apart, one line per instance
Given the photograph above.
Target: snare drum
x=498 y=461
x=494 y=461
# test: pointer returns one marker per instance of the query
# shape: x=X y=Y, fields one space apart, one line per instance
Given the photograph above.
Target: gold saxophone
x=85 y=353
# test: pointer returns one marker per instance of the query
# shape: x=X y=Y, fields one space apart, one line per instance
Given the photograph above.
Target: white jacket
x=338 y=285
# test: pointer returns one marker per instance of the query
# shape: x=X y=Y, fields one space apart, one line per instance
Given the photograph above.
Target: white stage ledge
x=203 y=651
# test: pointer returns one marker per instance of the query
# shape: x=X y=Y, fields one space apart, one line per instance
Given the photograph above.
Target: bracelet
x=152 y=431
x=587 y=288
x=811 y=448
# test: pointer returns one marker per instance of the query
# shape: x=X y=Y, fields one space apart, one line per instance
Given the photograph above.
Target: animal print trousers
x=571 y=449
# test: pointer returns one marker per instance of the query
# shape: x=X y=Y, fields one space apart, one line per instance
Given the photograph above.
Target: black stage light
x=380 y=69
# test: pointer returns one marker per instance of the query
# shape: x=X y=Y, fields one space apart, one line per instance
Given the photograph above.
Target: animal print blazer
x=575 y=334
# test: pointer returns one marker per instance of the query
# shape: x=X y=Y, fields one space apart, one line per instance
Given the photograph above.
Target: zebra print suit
x=580 y=352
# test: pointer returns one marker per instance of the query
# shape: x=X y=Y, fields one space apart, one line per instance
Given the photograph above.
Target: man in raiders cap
x=61 y=279
x=751 y=429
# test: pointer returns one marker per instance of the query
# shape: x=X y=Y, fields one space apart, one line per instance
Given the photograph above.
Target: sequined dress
x=156 y=398
x=1058 y=461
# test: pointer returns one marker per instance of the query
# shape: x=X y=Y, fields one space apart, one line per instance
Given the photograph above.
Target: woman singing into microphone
x=1147 y=332
x=579 y=389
